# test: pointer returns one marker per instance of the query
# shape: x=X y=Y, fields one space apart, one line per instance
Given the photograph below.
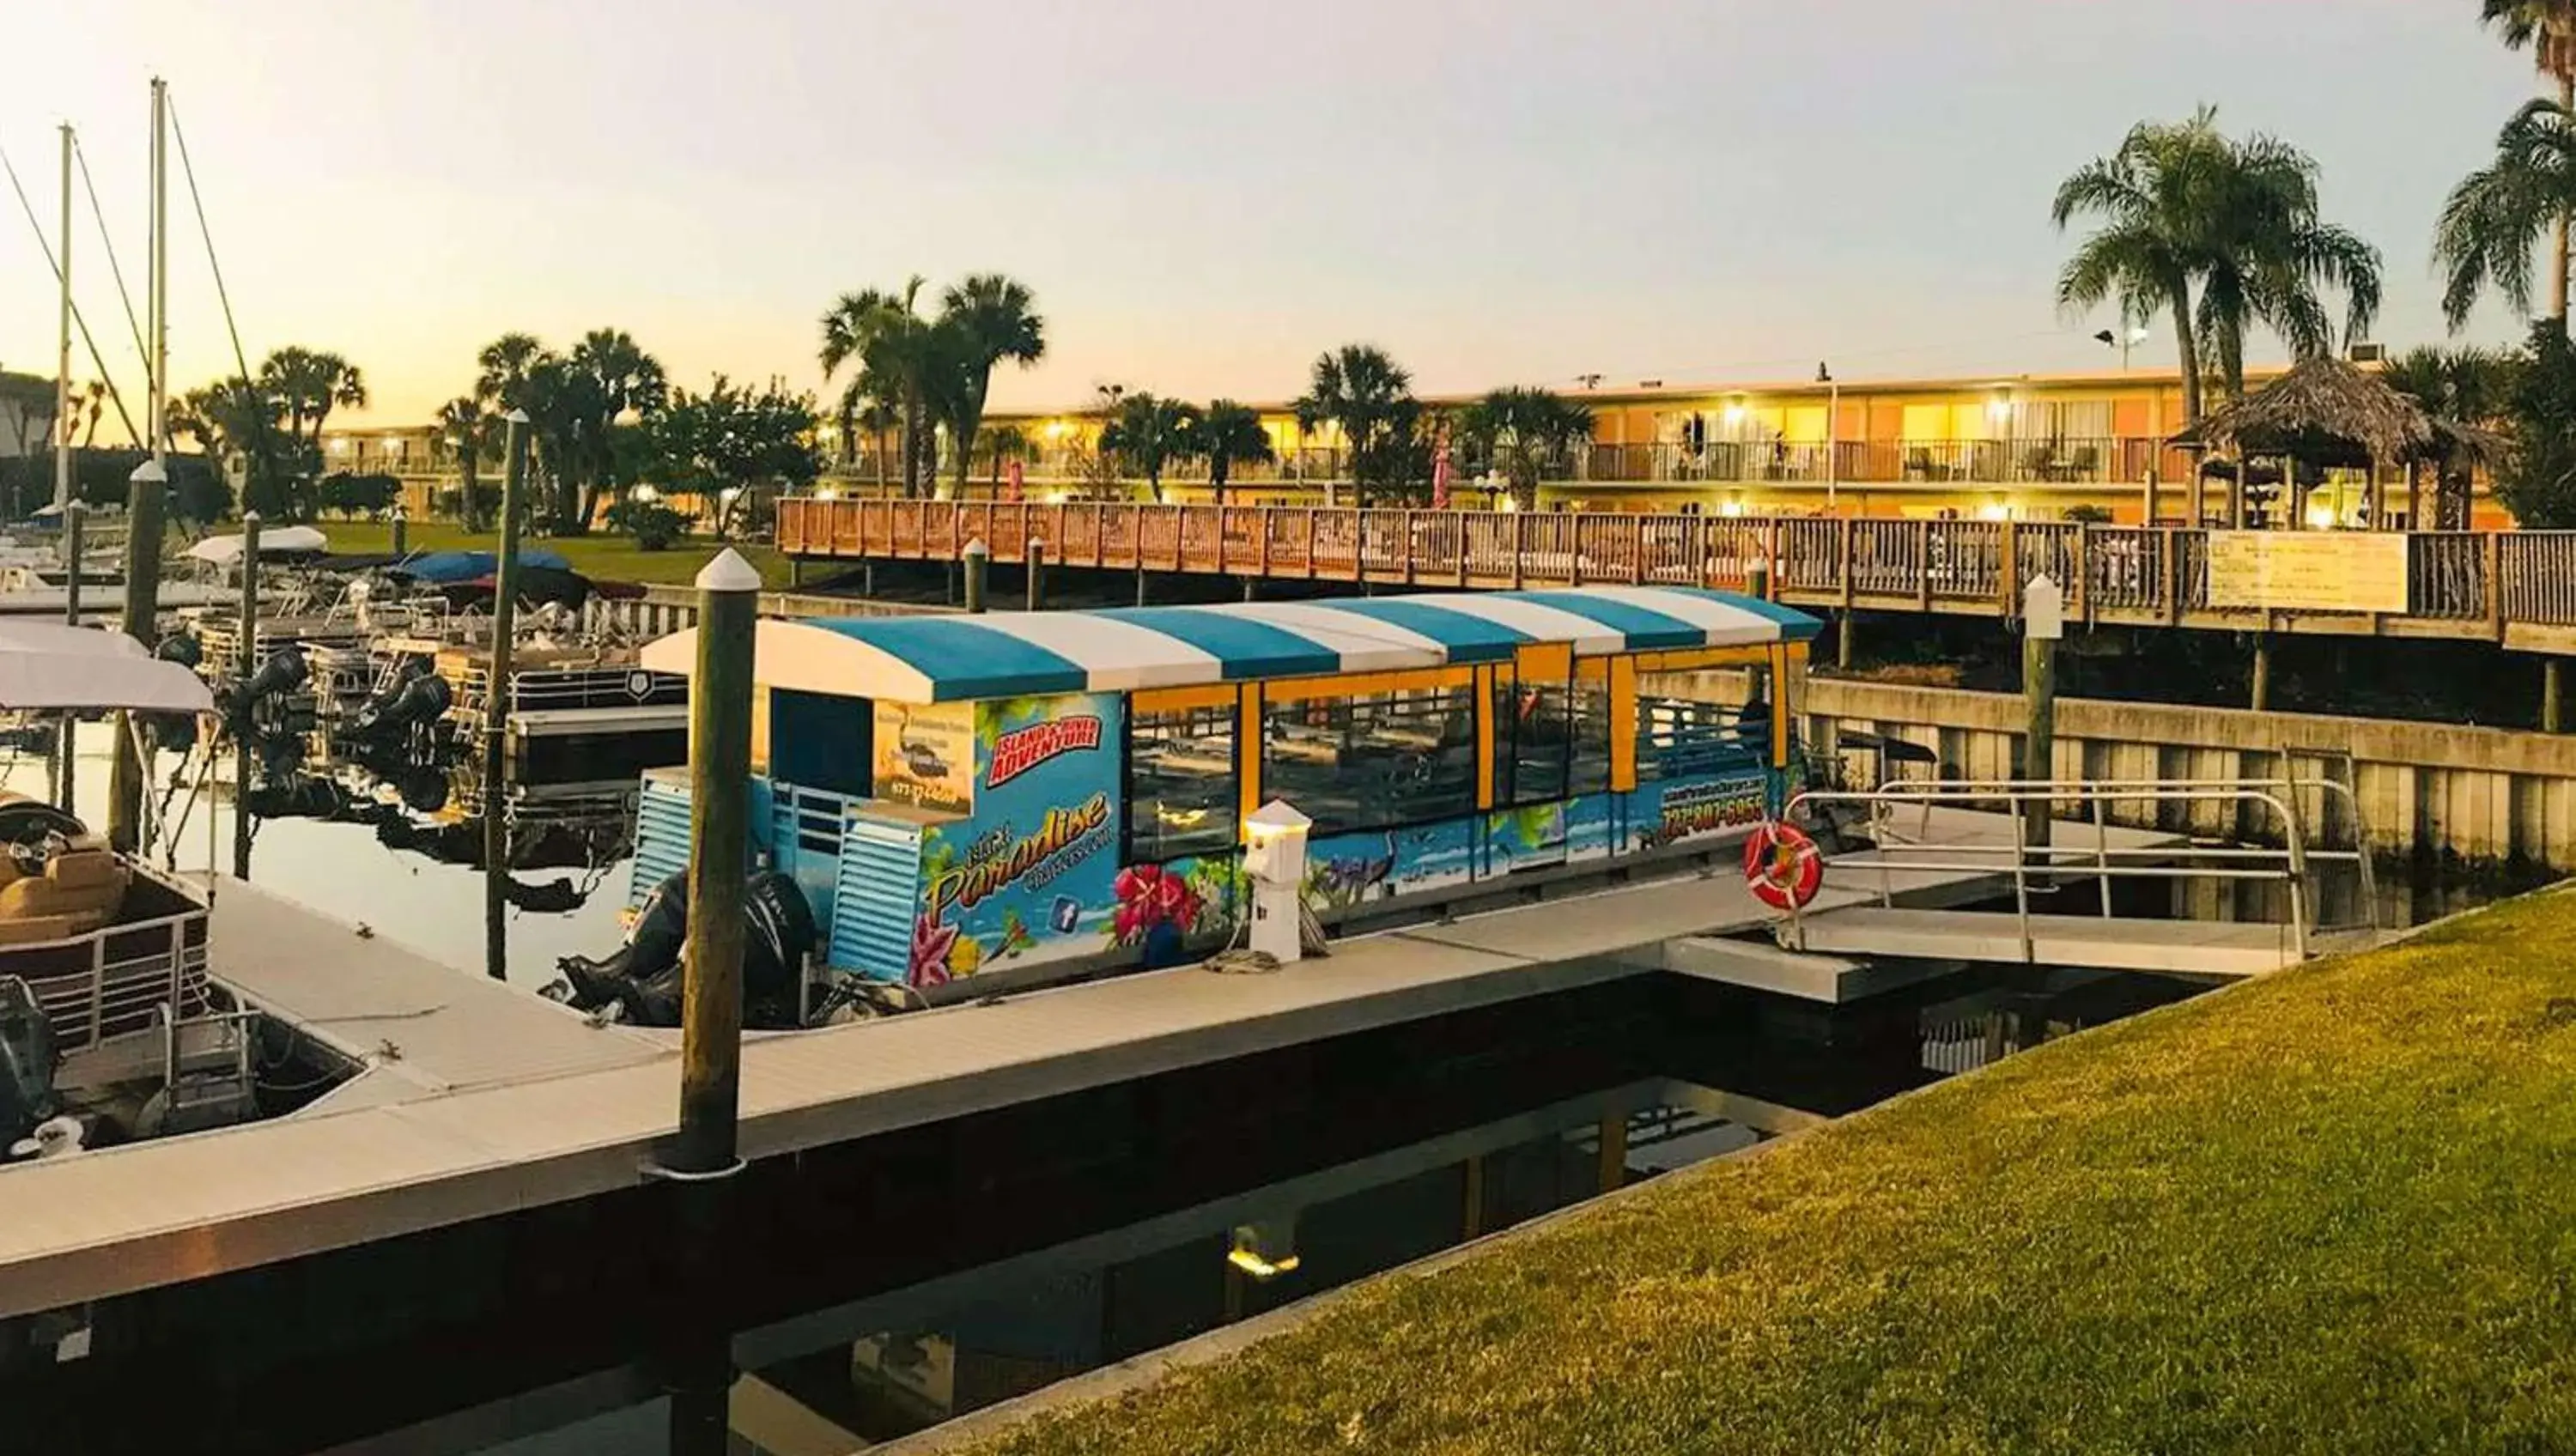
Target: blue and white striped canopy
x=937 y=659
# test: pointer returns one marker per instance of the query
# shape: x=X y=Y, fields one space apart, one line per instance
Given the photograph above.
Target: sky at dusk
x=1203 y=193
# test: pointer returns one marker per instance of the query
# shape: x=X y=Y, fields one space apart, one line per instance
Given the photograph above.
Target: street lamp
x=2129 y=337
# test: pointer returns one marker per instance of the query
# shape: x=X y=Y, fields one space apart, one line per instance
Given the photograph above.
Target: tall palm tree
x=2272 y=253
x=311 y=383
x=612 y=378
x=1360 y=391
x=1229 y=434
x=1149 y=434
x=467 y=427
x=990 y=318
x=1523 y=432
x=2497 y=214
x=503 y=368
x=2183 y=208
x=900 y=356
x=2547 y=29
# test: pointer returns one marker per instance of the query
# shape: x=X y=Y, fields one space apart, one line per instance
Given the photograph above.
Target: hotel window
x=1373 y=760
x=1681 y=738
x=1551 y=738
x=1181 y=795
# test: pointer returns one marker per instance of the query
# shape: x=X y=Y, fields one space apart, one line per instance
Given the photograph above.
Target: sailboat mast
x=160 y=286
x=63 y=345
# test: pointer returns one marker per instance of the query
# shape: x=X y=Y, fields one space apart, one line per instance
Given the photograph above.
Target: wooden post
x=246 y=662
x=2043 y=610
x=68 y=792
x=142 y=616
x=2553 y=699
x=402 y=531
x=704 y=1159
x=2260 y=698
x=1036 y=560
x=720 y=809
x=979 y=561
x=496 y=710
x=1613 y=1172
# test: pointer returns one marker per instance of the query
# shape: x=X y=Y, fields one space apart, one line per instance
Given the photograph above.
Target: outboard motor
x=282 y=673
x=645 y=975
x=27 y=1056
x=296 y=796
x=419 y=699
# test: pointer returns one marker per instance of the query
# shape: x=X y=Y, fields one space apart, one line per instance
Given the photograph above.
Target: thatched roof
x=2326 y=412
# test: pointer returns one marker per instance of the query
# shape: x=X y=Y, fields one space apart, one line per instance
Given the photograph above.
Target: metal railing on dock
x=2293 y=862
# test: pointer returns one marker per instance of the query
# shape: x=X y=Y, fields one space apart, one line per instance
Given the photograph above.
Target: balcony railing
x=2479 y=583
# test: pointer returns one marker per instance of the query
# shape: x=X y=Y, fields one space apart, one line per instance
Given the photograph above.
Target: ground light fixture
x=1265 y=1249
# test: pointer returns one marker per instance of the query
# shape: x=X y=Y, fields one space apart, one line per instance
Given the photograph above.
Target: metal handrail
x=2297 y=859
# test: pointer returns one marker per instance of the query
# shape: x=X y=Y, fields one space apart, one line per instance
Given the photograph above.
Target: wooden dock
x=2171 y=947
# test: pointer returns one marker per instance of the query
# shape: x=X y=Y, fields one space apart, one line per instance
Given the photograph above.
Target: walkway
x=2516 y=588
x=486 y=1100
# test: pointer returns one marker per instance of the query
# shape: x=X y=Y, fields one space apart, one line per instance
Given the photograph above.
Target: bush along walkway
x=2330 y=1211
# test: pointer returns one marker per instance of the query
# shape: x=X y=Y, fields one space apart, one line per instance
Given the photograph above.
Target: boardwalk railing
x=2459 y=583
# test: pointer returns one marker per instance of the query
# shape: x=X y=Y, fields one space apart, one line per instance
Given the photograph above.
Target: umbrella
x=439 y=568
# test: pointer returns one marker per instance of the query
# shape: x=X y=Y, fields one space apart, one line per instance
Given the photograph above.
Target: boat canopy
x=439 y=568
x=283 y=541
x=50 y=668
x=950 y=658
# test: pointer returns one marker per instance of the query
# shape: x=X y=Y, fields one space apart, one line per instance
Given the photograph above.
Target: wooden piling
x=496 y=711
x=245 y=662
x=1035 y=559
x=142 y=617
x=67 y=790
x=979 y=564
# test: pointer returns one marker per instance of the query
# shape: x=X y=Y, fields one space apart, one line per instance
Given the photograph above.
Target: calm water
x=342 y=871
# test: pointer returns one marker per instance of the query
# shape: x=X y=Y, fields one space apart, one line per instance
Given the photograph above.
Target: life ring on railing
x=1782 y=866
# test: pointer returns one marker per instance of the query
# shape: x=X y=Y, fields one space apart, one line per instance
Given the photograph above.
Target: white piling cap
x=729 y=573
x=977 y=547
x=149 y=473
x=515 y=417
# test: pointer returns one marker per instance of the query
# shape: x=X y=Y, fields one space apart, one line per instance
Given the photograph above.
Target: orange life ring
x=1782 y=866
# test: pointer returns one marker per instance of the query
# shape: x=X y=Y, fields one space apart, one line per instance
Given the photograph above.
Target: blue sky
x=1204 y=193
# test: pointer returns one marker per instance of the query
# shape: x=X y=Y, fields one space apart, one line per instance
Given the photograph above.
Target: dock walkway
x=493 y=1101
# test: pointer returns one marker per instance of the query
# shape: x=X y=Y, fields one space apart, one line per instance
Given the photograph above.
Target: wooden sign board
x=2307 y=571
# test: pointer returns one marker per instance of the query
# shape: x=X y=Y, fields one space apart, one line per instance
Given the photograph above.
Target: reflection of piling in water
x=243 y=657
x=496 y=708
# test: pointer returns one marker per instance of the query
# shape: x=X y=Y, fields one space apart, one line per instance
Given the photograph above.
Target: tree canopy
x=1362 y=393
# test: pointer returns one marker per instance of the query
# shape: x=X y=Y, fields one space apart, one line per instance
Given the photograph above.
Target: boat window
x=1373 y=760
x=1181 y=776
x=821 y=741
x=1684 y=738
x=1551 y=738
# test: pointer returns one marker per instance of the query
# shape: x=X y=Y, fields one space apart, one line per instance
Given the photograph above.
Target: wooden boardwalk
x=2515 y=588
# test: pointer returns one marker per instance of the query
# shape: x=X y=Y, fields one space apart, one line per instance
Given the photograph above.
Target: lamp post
x=1833 y=433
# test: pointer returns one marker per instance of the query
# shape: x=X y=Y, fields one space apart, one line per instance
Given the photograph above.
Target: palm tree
x=504 y=365
x=85 y=412
x=1005 y=442
x=1149 y=433
x=2496 y=214
x=989 y=318
x=2547 y=29
x=312 y=382
x=614 y=378
x=2183 y=207
x=2272 y=253
x=1227 y=433
x=467 y=427
x=1523 y=431
x=900 y=356
x=1359 y=390
x=2469 y=386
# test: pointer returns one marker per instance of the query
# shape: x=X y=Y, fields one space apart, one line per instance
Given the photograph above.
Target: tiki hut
x=2327 y=414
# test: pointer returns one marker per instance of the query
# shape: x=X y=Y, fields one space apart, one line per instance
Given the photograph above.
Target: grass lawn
x=602 y=556
x=2334 y=1211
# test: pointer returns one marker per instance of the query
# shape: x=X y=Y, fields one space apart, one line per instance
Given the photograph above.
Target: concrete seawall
x=2482 y=794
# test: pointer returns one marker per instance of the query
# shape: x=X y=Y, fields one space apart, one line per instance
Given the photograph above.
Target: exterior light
x=1733 y=414
x=1998 y=408
x=643 y=493
x=1731 y=508
x=729 y=494
x=2321 y=517
x=1265 y=1250
x=1058 y=496
x=1058 y=429
x=1994 y=511
x=827 y=492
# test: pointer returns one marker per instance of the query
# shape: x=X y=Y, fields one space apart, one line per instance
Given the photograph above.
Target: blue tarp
x=439 y=568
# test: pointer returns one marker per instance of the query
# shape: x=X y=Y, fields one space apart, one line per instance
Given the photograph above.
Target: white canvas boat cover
x=284 y=541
